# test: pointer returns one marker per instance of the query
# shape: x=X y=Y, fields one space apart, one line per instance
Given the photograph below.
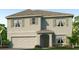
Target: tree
x=3 y=35
x=4 y=31
x=73 y=40
x=76 y=26
x=75 y=32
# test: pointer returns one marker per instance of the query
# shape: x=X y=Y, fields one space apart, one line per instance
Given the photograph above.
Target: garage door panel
x=23 y=42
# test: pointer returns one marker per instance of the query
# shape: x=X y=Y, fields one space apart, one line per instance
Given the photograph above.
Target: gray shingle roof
x=44 y=13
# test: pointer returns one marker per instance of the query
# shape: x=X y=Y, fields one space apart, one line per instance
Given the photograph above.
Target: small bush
x=37 y=46
x=6 y=42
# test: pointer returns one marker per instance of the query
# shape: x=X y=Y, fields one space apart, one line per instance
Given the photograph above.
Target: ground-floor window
x=59 y=39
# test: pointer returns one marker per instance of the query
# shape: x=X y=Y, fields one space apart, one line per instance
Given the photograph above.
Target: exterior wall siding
x=31 y=29
x=67 y=30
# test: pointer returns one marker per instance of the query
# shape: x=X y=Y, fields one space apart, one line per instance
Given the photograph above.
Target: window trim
x=60 y=37
x=60 y=24
x=17 y=24
x=15 y=21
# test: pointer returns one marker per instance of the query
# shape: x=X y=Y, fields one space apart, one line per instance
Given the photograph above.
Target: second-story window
x=60 y=23
x=18 y=23
x=33 y=20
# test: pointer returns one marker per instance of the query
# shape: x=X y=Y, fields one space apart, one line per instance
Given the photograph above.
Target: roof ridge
x=29 y=12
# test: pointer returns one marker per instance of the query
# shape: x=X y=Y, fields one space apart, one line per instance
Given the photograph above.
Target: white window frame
x=15 y=21
x=58 y=37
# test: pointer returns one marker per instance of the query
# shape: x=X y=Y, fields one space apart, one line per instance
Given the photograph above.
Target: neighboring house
x=29 y=28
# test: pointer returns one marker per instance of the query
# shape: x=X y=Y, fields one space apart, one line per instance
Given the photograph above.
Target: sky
x=6 y=12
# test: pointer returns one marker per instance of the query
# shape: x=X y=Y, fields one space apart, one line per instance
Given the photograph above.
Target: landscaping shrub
x=5 y=43
x=37 y=46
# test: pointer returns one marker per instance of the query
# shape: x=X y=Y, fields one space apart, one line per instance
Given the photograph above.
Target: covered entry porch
x=47 y=38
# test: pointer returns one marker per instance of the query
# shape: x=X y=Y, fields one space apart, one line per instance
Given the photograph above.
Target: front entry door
x=44 y=40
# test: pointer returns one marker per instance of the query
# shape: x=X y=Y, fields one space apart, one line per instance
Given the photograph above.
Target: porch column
x=50 y=40
x=38 y=39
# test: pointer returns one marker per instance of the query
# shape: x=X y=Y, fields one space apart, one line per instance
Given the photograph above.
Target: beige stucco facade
x=28 y=35
x=30 y=30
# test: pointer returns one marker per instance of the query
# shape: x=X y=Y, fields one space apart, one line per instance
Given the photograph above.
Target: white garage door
x=27 y=42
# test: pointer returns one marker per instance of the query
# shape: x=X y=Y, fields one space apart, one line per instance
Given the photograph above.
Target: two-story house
x=29 y=28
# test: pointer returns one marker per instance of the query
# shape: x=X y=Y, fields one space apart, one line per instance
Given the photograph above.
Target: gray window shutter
x=23 y=23
x=30 y=20
x=54 y=22
x=36 y=20
x=12 y=23
x=67 y=22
